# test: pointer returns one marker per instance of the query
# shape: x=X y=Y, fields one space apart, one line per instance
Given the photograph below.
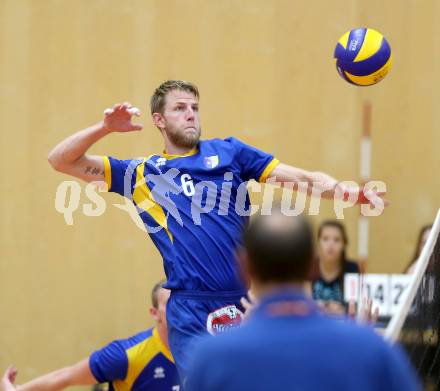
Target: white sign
x=386 y=290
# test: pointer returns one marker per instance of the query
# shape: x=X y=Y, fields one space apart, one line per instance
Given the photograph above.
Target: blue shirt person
x=139 y=363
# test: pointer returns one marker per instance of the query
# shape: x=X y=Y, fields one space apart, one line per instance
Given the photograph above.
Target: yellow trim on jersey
x=269 y=168
x=165 y=351
x=107 y=172
x=190 y=153
x=138 y=356
x=370 y=46
x=373 y=78
x=144 y=199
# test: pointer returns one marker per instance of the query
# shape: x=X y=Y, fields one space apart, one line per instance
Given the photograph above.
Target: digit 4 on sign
x=386 y=290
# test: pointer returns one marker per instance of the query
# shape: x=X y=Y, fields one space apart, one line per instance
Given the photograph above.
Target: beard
x=182 y=139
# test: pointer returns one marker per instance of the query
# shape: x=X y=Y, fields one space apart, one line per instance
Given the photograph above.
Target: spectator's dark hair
x=418 y=250
x=156 y=287
x=280 y=248
x=339 y=226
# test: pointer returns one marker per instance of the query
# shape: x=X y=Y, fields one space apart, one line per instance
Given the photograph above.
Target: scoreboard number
x=376 y=287
x=386 y=290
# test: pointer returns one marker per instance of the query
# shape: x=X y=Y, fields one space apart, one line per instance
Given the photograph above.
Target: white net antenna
x=395 y=326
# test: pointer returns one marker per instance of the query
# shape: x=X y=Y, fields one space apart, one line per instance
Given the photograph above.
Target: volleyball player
x=193 y=201
x=139 y=363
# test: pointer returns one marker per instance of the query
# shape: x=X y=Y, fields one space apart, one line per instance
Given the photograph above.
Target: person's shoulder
x=386 y=363
x=230 y=140
x=237 y=143
x=133 y=160
x=129 y=342
x=351 y=266
x=349 y=332
x=112 y=361
x=229 y=145
x=376 y=351
x=219 y=141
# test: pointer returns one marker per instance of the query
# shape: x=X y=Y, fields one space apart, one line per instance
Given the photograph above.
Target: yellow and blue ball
x=363 y=56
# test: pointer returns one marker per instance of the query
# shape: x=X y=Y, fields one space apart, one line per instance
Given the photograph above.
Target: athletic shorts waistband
x=209 y=295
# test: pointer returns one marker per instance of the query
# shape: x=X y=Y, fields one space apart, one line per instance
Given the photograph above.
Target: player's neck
x=163 y=334
x=172 y=149
x=263 y=290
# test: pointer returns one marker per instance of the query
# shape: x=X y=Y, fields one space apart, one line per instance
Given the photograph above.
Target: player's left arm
x=285 y=174
x=317 y=182
x=78 y=374
x=263 y=167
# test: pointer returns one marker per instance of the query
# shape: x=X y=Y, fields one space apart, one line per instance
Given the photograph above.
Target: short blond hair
x=155 y=293
x=157 y=101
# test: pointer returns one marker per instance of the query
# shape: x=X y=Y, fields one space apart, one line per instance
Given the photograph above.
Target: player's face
x=162 y=299
x=331 y=244
x=181 y=119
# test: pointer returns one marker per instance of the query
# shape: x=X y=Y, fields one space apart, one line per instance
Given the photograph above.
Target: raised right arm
x=70 y=155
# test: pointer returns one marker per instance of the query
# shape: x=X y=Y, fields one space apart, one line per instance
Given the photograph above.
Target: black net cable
x=416 y=324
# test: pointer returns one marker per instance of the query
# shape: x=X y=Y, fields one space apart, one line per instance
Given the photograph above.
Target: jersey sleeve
x=120 y=175
x=255 y=164
x=109 y=363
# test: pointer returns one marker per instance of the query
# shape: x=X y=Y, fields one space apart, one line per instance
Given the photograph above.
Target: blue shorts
x=193 y=314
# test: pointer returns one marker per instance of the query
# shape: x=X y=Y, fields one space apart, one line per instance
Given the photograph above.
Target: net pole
x=365 y=174
x=396 y=323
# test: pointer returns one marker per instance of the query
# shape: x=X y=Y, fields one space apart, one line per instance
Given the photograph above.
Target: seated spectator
x=332 y=265
x=423 y=237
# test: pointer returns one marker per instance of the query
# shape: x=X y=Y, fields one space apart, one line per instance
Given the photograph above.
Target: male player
x=140 y=363
x=287 y=343
x=192 y=199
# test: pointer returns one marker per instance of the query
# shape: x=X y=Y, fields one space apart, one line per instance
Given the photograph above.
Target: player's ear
x=153 y=313
x=158 y=120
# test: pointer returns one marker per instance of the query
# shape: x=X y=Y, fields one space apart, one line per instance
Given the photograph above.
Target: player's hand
x=371 y=197
x=366 y=313
x=8 y=379
x=331 y=307
x=361 y=196
x=248 y=304
x=118 y=118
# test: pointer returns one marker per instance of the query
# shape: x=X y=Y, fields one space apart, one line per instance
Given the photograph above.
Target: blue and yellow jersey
x=141 y=362
x=194 y=207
